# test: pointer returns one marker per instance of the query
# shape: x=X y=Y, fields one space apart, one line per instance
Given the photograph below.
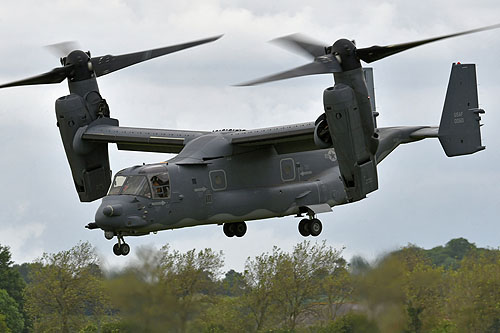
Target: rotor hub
x=81 y=64
x=345 y=52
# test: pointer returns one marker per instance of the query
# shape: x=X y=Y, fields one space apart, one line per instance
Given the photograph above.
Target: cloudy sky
x=424 y=197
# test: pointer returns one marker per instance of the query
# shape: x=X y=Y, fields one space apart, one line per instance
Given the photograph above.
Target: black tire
x=125 y=249
x=240 y=229
x=304 y=227
x=315 y=227
x=229 y=229
x=116 y=249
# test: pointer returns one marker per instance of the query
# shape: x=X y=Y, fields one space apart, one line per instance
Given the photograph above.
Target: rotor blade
x=302 y=44
x=109 y=63
x=54 y=76
x=317 y=67
x=374 y=53
x=62 y=49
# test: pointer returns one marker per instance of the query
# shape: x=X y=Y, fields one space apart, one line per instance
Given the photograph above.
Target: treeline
x=451 y=288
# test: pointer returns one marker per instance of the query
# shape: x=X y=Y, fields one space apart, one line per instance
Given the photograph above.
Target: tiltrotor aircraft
x=228 y=177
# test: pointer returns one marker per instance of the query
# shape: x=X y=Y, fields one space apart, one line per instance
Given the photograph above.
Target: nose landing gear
x=121 y=248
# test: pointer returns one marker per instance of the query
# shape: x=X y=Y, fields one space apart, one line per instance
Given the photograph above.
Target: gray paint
x=237 y=176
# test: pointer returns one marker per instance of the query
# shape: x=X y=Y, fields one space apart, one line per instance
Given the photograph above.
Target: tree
x=405 y=292
x=359 y=265
x=3 y=325
x=474 y=300
x=12 y=282
x=190 y=277
x=9 y=309
x=66 y=290
x=258 y=298
x=166 y=290
x=143 y=301
x=350 y=323
x=337 y=287
x=286 y=286
x=451 y=254
x=299 y=279
x=226 y=314
x=233 y=284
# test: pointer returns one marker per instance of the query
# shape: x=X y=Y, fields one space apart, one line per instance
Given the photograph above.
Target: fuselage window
x=287 y=169
x=161 y=185
x=218 y=180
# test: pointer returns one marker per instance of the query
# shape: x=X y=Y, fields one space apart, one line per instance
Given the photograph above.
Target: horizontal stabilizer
x=459 y=130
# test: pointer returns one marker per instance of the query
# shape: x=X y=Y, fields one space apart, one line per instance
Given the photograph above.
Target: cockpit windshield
x=141 y=185
x=131 y=185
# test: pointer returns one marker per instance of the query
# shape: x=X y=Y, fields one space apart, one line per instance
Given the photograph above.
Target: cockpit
x=155 y=186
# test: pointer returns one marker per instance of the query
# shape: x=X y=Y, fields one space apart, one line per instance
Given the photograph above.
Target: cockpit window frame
x=141 y=189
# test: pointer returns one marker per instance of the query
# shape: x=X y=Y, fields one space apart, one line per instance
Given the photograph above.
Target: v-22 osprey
x=228 y=177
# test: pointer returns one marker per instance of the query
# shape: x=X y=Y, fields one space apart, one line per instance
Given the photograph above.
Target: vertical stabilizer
x=368 y=71
x=459 y=130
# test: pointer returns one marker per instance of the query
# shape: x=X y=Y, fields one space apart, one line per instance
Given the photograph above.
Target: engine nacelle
x=353 y=147
x=322 y=137
x=89 y=162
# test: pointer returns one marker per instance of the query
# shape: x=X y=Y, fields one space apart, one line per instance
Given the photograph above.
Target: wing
x=141 y=139
x=286 y=139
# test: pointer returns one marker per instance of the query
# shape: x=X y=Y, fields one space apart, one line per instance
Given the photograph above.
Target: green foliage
x=233 y=284
x=404 y=291
x=111 y=327
x=310 y=289
x=9 y=309
x=166 y=289
x=451 y=254
x=350 y=323
x=258 y=299
x=3 y=325
x=65 y=290
x=12 y=282
x=284 y=288
x=474 y=300
x=227 y=314
x=10 y=279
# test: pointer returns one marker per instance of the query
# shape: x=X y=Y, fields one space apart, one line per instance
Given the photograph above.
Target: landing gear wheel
x=116 y=249
x=121 y=248
x=229 y=229
x=315 y=227
x=240 y=229
x=304 y=227
x=124 y=249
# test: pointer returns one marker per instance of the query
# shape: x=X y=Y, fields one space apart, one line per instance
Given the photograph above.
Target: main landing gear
x=121 y=248
x=237 y=229
x=310 y=227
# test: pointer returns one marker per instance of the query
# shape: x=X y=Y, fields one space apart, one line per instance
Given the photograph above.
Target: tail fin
x=459 y=130
x=368 y=71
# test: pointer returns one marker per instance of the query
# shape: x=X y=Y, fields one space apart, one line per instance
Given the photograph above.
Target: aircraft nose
x=113 y=210
x=105 y=218
x=110 y=215
x=114 y=214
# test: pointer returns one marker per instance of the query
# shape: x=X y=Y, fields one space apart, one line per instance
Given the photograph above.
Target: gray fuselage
x=247 y=185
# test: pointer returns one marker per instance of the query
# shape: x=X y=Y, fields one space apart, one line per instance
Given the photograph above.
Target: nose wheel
x=121 y=248
x=310 y=227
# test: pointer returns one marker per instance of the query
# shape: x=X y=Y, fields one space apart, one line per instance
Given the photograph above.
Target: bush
x=349 y=323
